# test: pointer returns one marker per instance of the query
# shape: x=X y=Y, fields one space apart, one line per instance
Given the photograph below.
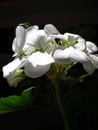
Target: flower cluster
x=35 y=50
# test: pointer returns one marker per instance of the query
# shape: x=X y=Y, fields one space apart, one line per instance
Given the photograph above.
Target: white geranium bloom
x=37 y=49
x=18 y=44
x=70 y=55
x=21 y=35
x=38 y=64
x=33 y=53
x=75 y=48
x=30 y=40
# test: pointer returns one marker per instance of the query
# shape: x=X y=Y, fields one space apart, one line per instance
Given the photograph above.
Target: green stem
x=62 y=110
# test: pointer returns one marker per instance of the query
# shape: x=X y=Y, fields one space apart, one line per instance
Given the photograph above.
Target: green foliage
x=16 y=102
x=78 y=79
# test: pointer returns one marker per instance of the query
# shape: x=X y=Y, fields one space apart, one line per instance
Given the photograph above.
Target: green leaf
x=16 y=102
x=27 y=95
x=77 y=79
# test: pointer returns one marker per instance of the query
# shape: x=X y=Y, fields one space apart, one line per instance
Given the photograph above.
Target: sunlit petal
x=69 y=55
x=12 y=66
x=38 y=64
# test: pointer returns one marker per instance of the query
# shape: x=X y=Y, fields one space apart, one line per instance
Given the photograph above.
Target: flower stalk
x=61 y=108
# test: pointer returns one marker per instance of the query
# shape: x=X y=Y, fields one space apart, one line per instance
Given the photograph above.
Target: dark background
x=64 y=14
x=76 y=16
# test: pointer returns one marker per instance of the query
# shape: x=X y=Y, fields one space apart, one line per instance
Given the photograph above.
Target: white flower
x=70 y=55
x=39 y=47
x=74 y=49
x=36 y=50
x=30 y=46
x=20 y=39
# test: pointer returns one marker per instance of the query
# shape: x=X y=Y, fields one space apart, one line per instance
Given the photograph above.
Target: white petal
x=38 y=39
x=38 y=64
x=28 y=49
x=51 y=29
x=29 y=43
x=91 y=47
x=14 y=45
x=11 y=67
x=20 y=36
x=30 y=32
x=94 y=60
x=69 y=55
x=19 y=41
x=35 y=72
x=59 y=36
x=89 y=68
x=71 y=35
x=80 y=45
x=51 y=48
x=32 y=29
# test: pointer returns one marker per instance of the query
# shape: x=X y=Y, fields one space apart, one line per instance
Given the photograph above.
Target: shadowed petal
x=94 y=60
x=19 y=41
x=32 y=29
x=91 y=47
x=89 y=67
x=51 y=29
